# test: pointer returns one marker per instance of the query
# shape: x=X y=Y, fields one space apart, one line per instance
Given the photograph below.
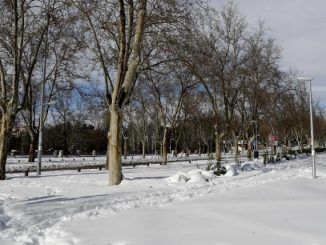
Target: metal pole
x=40 y=136
x=312 y=134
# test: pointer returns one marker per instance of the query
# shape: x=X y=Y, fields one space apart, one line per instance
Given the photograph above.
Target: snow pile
x=179 y=177
x=232 y=170
x=208 y=174
x=202 y=176
x=246 y=167
x=250 y=166
x=197 y=178
x=192 y=176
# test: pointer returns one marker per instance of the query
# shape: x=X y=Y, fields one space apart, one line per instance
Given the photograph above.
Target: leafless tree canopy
x=144 y=76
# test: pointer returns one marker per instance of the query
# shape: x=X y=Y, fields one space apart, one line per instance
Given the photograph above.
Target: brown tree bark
x=249 y=151
x=143 y=144
x=5 y=131
x=218 y=143
x=125 y=80
x=114 y=137
x=164 y=146
x=125 y=148
x=107 y=153
x=32 y=147
x=236 y=150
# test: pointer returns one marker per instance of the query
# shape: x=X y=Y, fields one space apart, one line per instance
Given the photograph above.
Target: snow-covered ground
x=276 y=204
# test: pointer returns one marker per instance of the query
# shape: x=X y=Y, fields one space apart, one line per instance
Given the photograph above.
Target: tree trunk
x=125 y=148
x=143 y=148
x=299 y=144
x=164 y=147
x=249 y=151
x=236 y=150
x=287 y=145
x=175 y=153
x=32 y=147
x=3 y=153
x=209 y=149
x=5 y=132
x=114 y=139
x=217 y=148
x=107 y=152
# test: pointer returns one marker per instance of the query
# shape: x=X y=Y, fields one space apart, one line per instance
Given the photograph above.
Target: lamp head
x=305 y=79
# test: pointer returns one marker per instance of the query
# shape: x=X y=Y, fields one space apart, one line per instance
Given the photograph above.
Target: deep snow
x=276 y=204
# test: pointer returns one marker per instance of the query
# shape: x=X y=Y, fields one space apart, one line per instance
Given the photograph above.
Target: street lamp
x=308 y=79
x=40 y=135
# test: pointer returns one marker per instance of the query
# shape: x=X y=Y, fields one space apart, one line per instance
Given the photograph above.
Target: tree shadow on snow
x=53 y=175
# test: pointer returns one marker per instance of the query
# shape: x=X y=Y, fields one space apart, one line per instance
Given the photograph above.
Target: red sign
x=272 y=139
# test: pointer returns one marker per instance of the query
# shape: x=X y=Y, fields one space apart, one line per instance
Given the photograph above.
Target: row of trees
x=160 y=73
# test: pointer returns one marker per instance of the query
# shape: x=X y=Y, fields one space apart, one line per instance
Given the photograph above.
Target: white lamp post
x=308 y=79
x=40 y=136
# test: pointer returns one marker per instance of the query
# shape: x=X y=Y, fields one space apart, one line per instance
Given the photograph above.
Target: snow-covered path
x=62 y=207
x=274 y=213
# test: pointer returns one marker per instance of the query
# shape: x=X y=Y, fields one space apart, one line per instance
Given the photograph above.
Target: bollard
x=26 y=172
x=100 y=168
x=134 y=165
x=79 y=169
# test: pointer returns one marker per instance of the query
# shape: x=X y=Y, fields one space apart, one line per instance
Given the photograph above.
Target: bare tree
x=24 y=25
x=58 y=54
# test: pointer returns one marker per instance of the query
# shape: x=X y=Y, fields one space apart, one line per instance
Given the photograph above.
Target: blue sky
x=300 y=29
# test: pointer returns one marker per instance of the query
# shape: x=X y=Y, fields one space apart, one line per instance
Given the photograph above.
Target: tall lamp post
x=40 y=135
x=308 y=79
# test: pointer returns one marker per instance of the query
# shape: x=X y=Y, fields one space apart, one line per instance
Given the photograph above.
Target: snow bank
x=192 y=176
x=231 y=170
x=202 y=176
x=208 y=174
x=178 y=178
x=197 y=178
